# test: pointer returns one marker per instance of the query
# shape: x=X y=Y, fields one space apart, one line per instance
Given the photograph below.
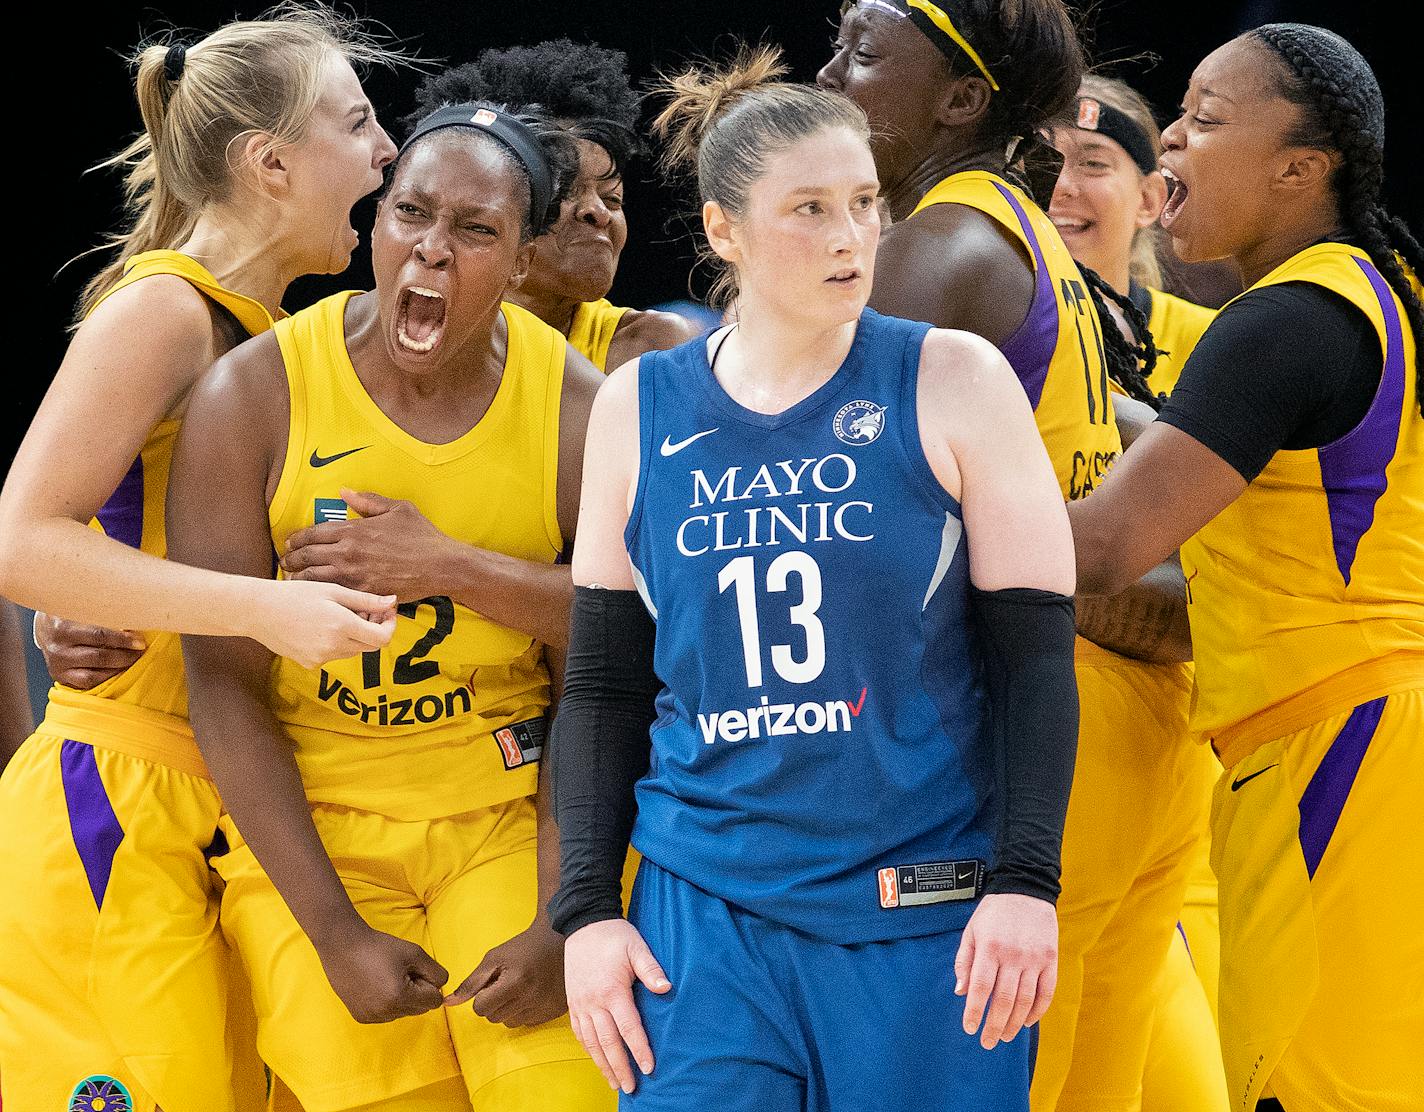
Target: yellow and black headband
x=934 y=22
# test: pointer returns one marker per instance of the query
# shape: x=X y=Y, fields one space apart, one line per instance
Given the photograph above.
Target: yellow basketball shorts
x=458 y=887
x=1184 y=1071
x=114 y=978
x=1137 y=809
x=1317 y=852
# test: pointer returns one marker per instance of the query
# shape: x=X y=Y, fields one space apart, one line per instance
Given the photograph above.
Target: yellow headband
x=945 y=25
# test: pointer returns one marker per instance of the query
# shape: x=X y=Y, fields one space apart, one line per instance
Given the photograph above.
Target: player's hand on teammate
x=519 y=983
x=84 y=656
x=391 y=549
x=311 y=623
x=601 y=962
x=1007 y=961
x=380 y=977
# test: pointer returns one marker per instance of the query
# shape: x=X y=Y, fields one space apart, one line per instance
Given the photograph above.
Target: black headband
x=520 y=140
x=1094 y=115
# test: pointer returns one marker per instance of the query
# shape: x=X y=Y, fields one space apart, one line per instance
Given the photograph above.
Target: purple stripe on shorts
x=1324 y=797
x=122 y=515
x=92 y=821
x=1353 y=467
x=1030 y=349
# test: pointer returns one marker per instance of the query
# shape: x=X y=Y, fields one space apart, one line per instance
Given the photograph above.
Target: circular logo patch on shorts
x=100 y=1093
x=859 y=422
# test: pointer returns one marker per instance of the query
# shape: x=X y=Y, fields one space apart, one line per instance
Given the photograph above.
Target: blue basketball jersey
x=820 y=755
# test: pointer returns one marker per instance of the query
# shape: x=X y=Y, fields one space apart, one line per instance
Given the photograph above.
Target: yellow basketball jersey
x=134 y=514
x=449 y=717
x=1057 y=352
x=592 y=330
x=1176 y=326
x=1306 y=594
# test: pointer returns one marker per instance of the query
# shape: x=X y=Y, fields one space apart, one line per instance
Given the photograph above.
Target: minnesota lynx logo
x=859 y=422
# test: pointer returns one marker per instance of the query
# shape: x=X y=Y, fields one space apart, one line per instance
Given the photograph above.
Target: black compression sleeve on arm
x=600 y=750
x=1026 y=636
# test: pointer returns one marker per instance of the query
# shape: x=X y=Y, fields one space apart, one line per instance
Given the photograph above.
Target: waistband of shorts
x=1371 y=679
x=149 y=735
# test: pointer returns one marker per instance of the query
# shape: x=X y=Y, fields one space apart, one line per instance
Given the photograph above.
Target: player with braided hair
x=585 y=87
x=948 y=90
x=1289 y=466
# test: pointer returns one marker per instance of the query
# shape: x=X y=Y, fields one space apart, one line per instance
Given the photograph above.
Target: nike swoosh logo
x=1236 y=784
x=322 y=461
x=671 y=449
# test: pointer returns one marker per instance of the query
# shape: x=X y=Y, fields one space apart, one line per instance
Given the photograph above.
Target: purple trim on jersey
x=1030 y=349
x=1353 y=467
x=122 y=515
x=1186 y=942
x=92 y=821
x=1324 y=797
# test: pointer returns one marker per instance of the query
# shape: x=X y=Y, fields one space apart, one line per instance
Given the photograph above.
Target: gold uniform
x=1129 y=822
x=592 y=330
x=114 y=978
x=420 y=759
x=1306 y=598
x=1183 y=1071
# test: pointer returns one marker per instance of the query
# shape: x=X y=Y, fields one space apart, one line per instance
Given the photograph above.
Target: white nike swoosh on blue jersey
x=671 y=449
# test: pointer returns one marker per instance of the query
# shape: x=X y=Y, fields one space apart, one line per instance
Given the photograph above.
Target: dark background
x=68 y=210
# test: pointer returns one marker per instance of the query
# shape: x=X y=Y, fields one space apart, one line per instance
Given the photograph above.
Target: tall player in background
x=1296 y=490
x=585 y=87
x=384 y=808
x=953 y=92
x=257 y=141
x=1106 y=205
x=820 y=807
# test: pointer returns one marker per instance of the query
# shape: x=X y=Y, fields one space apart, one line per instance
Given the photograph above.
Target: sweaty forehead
x=1240 y=71
x=461 y=167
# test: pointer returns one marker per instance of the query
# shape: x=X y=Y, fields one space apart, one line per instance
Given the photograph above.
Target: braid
x=1128 y=364
x=1343 y=110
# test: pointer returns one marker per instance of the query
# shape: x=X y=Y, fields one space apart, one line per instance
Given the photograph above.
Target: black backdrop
x=68 y=210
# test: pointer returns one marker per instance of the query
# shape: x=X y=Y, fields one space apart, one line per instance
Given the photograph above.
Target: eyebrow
x=428 y=199
x=363 y=106
x=811 y=190
x=1208 y=92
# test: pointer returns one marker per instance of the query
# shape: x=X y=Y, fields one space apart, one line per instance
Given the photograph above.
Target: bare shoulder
x=653 y=330
x=581 y=378
x=162 y=319
x=619 y=392
x=249 y=379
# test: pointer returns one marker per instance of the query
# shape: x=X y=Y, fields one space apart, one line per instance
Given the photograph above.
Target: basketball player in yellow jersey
x=972 y=250
x=114 y=980
x=1297 y=493
x=383 y=808
x=1105 y=206
x=585 y=88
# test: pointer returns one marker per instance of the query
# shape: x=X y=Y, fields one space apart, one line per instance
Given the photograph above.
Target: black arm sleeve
x=1026 y=637
x=600 y=750
x=1290 y=366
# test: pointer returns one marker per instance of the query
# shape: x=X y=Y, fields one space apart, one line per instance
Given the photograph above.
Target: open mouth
x=1176 y=197
x=1071 y=225
x=420 y=319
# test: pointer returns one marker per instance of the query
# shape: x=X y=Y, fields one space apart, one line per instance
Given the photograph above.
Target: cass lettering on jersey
x=1306 y=594
x=823 y=715
x=449 y=717
x=1057 y=352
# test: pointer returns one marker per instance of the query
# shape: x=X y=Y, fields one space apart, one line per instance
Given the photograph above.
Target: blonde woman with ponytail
x=258 y=140
x=849 y=865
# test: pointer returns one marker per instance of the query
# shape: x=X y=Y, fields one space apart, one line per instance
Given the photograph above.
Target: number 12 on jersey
x=740 y=574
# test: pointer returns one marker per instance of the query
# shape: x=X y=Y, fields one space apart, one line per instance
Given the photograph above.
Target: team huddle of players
x=354 y=821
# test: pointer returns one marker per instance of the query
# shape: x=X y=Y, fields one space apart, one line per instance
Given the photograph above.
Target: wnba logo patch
x=889 y=888
x=859 y=422
x=521 y=743
x=100 y=1093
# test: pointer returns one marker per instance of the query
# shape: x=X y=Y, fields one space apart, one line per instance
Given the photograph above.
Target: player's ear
x=521 y=265
x=720 y=232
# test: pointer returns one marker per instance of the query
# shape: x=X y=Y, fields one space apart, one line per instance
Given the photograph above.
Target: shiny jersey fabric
x=449 y=717
x=1306 y=594
x=592 y=330
x=1057 y=352
x=134 y=513
x=822 y=718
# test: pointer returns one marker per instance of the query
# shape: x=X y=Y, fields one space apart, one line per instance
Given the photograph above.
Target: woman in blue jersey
x=838 y=834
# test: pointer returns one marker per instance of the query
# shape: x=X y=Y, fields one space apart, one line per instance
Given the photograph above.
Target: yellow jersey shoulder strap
x=252 y=315
x=536 y=358
x=592 y=329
